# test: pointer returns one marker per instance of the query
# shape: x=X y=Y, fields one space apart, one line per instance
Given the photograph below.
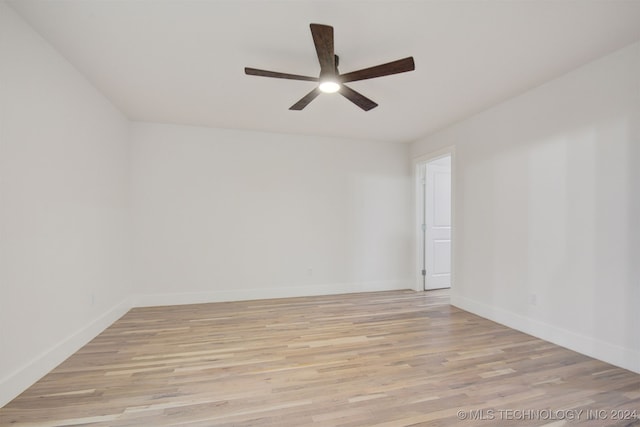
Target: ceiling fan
x=330 y=79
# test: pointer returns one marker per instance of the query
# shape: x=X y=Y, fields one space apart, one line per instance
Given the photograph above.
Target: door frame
x=417 y=213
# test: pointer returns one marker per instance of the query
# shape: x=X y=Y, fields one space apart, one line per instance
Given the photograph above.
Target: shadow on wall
x=552 y=237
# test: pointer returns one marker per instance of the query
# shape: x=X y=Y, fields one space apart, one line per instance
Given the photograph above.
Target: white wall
x=222 y=214
x=63 y=208
x=547 y=208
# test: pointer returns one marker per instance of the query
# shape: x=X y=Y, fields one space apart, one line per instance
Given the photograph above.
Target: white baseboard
x=25 y=376
x=601 y=350
x=22 y=378
x=151 y=300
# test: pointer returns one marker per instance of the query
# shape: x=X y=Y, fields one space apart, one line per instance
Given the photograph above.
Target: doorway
x=434 y=222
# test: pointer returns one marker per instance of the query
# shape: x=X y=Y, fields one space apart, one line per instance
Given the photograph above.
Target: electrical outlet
x=533 y=299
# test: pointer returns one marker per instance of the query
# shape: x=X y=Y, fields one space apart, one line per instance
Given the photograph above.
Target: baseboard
x=22 y=378
x=178 y=298
x=601 y=350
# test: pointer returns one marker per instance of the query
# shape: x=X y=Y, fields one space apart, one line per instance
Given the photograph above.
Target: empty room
x=319 y=213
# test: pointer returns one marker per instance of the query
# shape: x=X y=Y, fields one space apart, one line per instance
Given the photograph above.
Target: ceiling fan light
x=329 y=86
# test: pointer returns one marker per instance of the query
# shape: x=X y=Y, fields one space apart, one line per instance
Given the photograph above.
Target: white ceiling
x=182 y=61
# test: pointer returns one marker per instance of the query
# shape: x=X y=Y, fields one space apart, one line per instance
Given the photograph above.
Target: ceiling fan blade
x=357 y=98
x=395 y=67
x=323 y=40
x=278 y=75
x=305 y=100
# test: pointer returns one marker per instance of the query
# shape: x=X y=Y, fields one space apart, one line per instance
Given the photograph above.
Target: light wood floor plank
x=374 y=359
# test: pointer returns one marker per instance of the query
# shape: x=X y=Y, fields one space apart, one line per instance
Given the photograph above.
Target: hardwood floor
x=374 y=359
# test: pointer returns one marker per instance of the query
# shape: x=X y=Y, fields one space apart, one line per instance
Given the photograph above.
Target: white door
x=437 y=217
